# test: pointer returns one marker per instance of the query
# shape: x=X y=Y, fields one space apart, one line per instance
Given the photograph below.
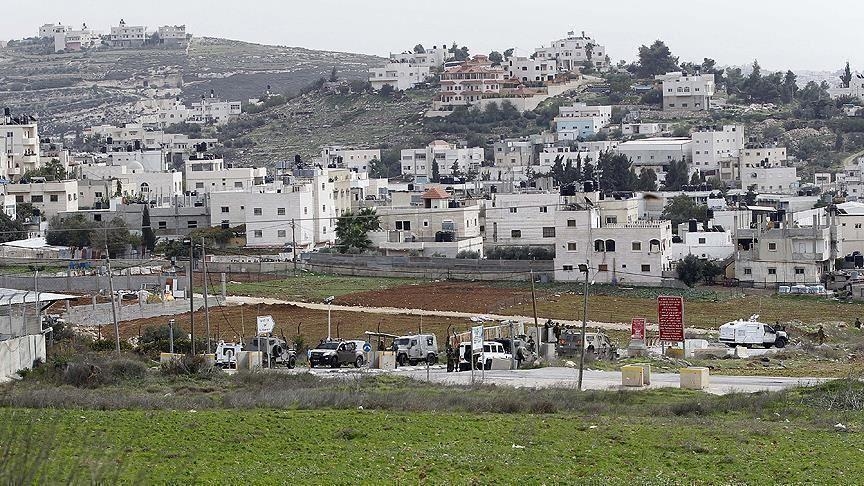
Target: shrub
x=83 y=375
x=188 y=365
x=126 y=369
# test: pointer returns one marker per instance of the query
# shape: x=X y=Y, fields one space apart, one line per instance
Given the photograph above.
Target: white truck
x=752 y=333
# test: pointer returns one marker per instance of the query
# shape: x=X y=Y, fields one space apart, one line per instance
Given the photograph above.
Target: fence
x=78 y=284
x=428 y=268
x=19 y=354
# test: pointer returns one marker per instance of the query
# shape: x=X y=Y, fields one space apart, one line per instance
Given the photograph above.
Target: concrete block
x=632 y=375
x=385 y=360
x=547 y=351
x=710 y=353
x=249 y=360
x=741 y=352
x=165 y=358
x=677 y=353
x=646 y=372
x=694 y=378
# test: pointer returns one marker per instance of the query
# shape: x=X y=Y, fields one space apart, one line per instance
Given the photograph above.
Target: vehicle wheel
x=359 y=362
x=292 y=363
x=334 y=363
x=402 y=360
x=432 y=359
x=781 y=343
x=768 y=345
x=412 y=362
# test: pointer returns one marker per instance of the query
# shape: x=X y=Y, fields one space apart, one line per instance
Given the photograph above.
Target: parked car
x=414 y=349
x=596 y=343
x=493 y=357
x=752 y=333
x=335 y=354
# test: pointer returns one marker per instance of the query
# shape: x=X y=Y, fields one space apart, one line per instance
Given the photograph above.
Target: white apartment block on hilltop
x=573 y=52
x=686 y=92
x=580 y=121
x=163 y=113
x=173 y=35
x=210 y=174
x=526 y=69
x=419 y=162
x=711 y=145
x=855 y=89
x=622 y=253
x=21 y=141
x=125 y=35
x=269 y=215
x=76 y=40
x=431 y=58
x=398 y=75
x=766 y=168
x=470 y=82
x=48 y=30
x=521 y=220
x=656 y=153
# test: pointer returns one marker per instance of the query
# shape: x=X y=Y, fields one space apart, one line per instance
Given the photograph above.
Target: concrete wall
x=19 y=354
x=100 y=314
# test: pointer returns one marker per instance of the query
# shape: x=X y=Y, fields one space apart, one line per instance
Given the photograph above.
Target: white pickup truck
x=752 y=333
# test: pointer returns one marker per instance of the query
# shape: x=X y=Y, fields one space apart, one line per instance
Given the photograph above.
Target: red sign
x=637 y=329
x=670 y=316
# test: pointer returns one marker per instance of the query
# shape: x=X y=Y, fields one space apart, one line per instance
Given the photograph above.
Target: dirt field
x=239 y=320
x=452 y=296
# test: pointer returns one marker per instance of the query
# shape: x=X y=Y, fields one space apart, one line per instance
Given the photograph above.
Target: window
x=544 y=209
x=654 y=246
x=701 y=241
x=280 y=212
x=772 y=271
x=238 y=185
x=516 y=234
x=603 y=268
x=513 y=210
x=549 y=232
x=799 y=271
x=610 y=246
x=257 y=211
x=97 y=217
x=191 y=224
x=258 y=234
x=53 y=198
x=226 y=209
x=748 y=271
x=636 y=246
x=611 y=219
x=36 y=199
x=199 y=185
x=403 y=225
x=571 y=223
x=280 y=233
x=857 y=225
x=646 y=268
x=572 y=247
x=568 y=268
x=20 y=199
x=772 y=246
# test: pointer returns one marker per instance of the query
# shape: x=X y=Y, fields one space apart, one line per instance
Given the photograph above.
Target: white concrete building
x=210 y=175
x=419 y=162
x=159 y=188
x=767 y=169
x=76 y=40
x=528 y=70
x=21 y=141
x=49 y=30
x=711 y=145
x=269 y=214
x=631 y=129
x=686 y=92
x=573 y=52
x=432 y=58
x=855 y=89
x=581 y=121
x=399 y=75
x=173 y=35
x=125 y=35
x=50 y=198
x=521 y=219
x=657 y=153
x=711 y=243
x=624 y=253
x=212 y=110
x=356 y=160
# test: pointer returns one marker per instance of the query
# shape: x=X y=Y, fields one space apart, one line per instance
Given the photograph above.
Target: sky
x=788 y=34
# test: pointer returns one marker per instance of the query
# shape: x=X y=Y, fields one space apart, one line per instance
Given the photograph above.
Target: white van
x=493 y=357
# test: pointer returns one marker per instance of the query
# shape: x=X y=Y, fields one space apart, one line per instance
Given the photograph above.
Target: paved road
x=592 y=380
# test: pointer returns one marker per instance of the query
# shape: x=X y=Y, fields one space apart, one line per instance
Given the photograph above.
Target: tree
x=690 y=270
x=148 y=237
x=617 y=173
x=676 y=175
x=53 y=170
x=378 y=169
x=458 y=53
x=647 y=181
x=509 y=53
x=846 y=78
x=657 y=59
x=711 y=270
x=24 y=211
x=815 y=102
x=387 y=90
x=695 y=180
x=10 y=229
x=112 y=234
x=436 y=171
x=352 y=230
x=496 y=58
x=419 y=49
x=455 y=171
x=682 y=209
x=334 y=75
x=119 y=190
x=790 y=87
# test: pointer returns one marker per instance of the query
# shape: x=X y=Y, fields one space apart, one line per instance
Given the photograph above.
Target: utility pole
x=584 y=325
x=536 y=322
x=206 y=308
x=294 y=245
x=191 y=295
x=113 y=308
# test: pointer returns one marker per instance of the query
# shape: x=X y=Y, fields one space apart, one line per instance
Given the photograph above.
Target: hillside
x=70 y=91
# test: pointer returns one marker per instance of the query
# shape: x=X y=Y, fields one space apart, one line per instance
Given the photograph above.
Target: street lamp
x=329 y=302
x=187 y=242
x=583 y=268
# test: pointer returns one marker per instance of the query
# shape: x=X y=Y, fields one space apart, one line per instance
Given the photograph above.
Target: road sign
x=477 y=339
x=367 y=348
x=670 y=317
x=265 y=324
x=637 y=329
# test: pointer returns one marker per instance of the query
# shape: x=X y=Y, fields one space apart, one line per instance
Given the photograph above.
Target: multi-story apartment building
x=765 y=167
x=686 y=92
x=21 y=142
x=357 y=160
x=173 y=35
x=49 y=30
x=711 y=145
x=470 y=82
x=529 y=70
x=125 y=35
x=75 y=40
x=629 y=253
x=212 y=110
x=419 y=163
x=159 y=188
x=521 y=220
x=580 y=121
x=278 y=216
x=855 y=89
x=205 y=175
x=432 y=58
x=656 y=153
x=399 y=75
x=49 y=198
x=574 y=52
